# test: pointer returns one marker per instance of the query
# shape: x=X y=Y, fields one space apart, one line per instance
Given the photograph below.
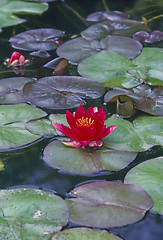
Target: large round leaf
x=148 y=175
x=108 y=204
x=133 y=136
x=8 y=8
x=106 y=67
x=12 y=125
x=11 y=90
x=83 y=234
x=87 y=160
x=30 y=214
x=42 y=39
x=62 y=92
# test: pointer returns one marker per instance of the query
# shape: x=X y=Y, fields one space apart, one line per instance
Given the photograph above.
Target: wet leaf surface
x=108 y=204
x=62 y=92
x=148 y=175
x=87 y=160
x=31 y=214
x=42 y=39
x=84 y=233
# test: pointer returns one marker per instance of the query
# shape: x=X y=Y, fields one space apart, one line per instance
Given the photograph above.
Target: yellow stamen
x=84 y=122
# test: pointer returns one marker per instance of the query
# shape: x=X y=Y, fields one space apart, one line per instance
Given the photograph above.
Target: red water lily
x=86 y=128
x=16 y=59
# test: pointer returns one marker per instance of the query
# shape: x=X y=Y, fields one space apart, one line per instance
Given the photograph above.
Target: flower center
x=84 y=122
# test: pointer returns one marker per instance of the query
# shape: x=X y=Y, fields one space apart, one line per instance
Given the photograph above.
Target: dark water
x=25 y=166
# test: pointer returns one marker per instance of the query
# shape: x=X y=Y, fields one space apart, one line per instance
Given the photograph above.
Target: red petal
x=70 y=119
x=80 y=112
x=84 y=143
x=15 y=56
x=96 y=143
x=63 y=129
x=72 y=143
x=105 y=131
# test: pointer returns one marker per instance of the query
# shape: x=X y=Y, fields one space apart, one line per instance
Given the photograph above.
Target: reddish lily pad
x=108 y=204
x=85 y=161
x=62 y=92
x=83 y=234
x=11 y=90
x=148 y=175
x=42 y=39
x=78 y=49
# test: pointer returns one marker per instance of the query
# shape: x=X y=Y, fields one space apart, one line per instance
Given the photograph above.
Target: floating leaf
x=42 y=39
x=78 y=49
x=133 y=136
x=148 y=175
x=31 y=214
x=9 y=8
x=145 y=37
x=87 y=160
x=42 y=127
x=107 y=15
x=114 y=70
x=108 y=204
x=12 y=125
x=62 y=92
x=11 y=90
x=83 y=234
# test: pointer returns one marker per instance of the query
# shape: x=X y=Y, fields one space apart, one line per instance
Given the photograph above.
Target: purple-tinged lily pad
x=42 y=39
x=148 y=175
x=85 y=161
x=78 y=49
x=83 y=234
x=62 y=92
x=145 y=37
x=108 y=204
x=108 y=15
x=11 y=90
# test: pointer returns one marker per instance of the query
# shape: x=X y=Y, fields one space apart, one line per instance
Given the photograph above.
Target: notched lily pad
x=87 y=160
x=11 y=90
x=42 y=39
x=78 y=49
x=145 y=37
x=133 y=136
x=148 y=175
x=62 y=92
x=31 y=214
x=108 y=204
x=83 y=234
x=12 y=125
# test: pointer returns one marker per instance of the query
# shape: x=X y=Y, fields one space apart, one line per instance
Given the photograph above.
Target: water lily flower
x=86 y=128
x=16 y=59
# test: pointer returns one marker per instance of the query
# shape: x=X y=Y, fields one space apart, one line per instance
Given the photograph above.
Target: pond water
x=25 y=166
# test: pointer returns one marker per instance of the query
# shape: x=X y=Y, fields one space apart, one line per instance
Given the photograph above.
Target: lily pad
x=78 y=49
x=12 y=125
x=114 y=70
x=144 y=98
x=83 y=234
x=148 y=175
x=108 y=204
x=42 y=39
x=31 y=214
x=9 y=8
x=62 y=92
x=145 y=37
x=85 y=161
x=11 y=90
x=133 y=136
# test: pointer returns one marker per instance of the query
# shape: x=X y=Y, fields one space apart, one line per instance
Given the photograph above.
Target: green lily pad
x=1 y=166
x=133 y=136
x=148 y=175
x=42 y=39
x=11 y=90
x=108 y=204
x=42 y=127
x=114 y=70
x=62 y=92
x=31 y=214
x=8 y=9
x=83 y=234
x=12 y=125
x=85 y=161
